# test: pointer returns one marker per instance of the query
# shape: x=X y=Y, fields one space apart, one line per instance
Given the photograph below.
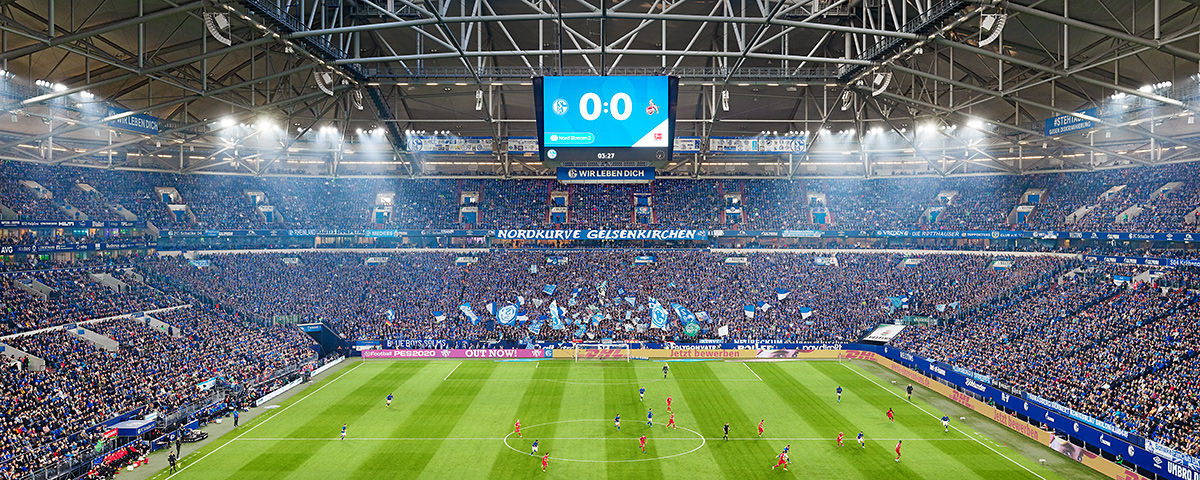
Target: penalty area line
x=259 y=424
x=959 y=430
x=752 y=371
x=452 y=371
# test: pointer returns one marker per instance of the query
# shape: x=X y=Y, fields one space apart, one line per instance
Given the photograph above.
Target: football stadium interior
x=316 y=239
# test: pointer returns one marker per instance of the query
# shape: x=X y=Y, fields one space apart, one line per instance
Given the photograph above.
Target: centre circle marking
x=703 y=442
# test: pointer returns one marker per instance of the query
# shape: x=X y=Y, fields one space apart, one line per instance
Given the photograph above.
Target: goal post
x=602 y=351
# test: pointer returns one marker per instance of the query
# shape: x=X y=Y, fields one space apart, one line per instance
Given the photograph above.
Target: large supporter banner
x=605 y=174
x=457 y=353
x=602 y=234
x=138 y=122
x=1062 y=124
x=445 y=144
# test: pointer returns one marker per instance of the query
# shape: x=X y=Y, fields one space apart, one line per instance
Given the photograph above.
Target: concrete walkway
x=158 y=460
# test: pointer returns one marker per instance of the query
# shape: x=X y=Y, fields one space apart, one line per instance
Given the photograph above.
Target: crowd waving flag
x=782 y=293
x=439 y=316
x=748 y=310
x=550 y=288
x=658 y=314
x=470 y=314
x=805 y=312
x=507 y=314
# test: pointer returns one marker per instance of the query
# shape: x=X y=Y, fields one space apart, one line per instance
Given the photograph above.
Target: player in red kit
x=545 y=461
x=668 y=403
x=671 y=421
x=642 y=441
x=783 y=461
x=517 y=428
x=839 y=440
x=760 y=427
x=891 y=418
x=898 y=450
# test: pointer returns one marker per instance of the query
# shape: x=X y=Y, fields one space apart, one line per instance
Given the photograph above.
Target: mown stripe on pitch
x=623 y=398
x=283 y=458
x=989 y=465
x=437 y=415
x=489 y=417
x=714 y=405
x=540 y=404
x=807 y=403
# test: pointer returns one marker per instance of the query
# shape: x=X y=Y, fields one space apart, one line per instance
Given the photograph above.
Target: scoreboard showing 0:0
x=600 y=112
x=590 y=106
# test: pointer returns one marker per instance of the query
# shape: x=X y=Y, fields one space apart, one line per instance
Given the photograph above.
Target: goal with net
x=601 y=351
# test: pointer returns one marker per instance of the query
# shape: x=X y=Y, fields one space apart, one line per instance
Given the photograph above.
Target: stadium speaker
x=218 y=27
x=992 y=24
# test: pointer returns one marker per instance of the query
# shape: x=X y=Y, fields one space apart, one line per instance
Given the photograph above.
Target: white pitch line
x=452 y=371
x=259 y=424
x=910 y=402
x=752 y=371
x=492 y=439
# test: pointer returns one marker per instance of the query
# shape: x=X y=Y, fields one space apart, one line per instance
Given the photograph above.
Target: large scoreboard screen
x=606 y=119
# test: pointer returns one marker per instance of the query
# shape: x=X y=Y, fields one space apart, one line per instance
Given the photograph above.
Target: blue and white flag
x=491 y=308
x=575 y=292
x=521 y=300
x=532 y=269
x=954 y=305
x=703 y=316
x=658 y=314
x=439 y=316
x=571 y=302
x=602 y=289
x=507 y=314
x=537 y=302
x=391 y=314
x=685 y=316
x=581 y=331
x=522 y=317
x=632 y=301
x=550 y=288
x=748 y=310
x=782 y=293
x=764 y=306
x=805 y=312
x=470 y=314
x=555 y=316
x=535 y=327
x=941 y=307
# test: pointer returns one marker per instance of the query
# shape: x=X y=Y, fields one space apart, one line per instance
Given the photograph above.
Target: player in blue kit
x=534 y=449
x=343 y=431
x=650 y=418
x=617 y=422
x=862 y=442
x=946 y=423
x=839 y=390
x=642 y=394
x=389 y=400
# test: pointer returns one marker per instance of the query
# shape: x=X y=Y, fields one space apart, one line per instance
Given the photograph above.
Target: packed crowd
x=1090 y=342
x=52 y=416
x=343 y=290
x=75 y=295
x=974 y=203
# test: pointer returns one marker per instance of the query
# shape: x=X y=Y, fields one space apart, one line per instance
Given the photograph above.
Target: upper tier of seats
x=1144 y=199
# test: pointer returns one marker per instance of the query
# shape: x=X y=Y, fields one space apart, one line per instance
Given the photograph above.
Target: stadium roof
x=924 y=87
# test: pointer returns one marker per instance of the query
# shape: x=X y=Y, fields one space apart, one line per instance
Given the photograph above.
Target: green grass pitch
x=454 y=420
